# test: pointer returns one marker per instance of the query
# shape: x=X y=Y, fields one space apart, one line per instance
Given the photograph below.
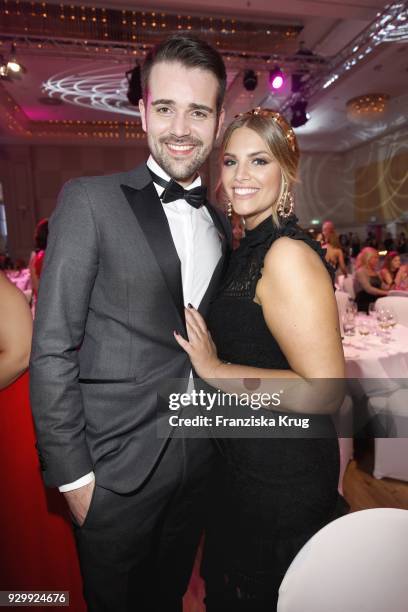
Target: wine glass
x=364 y=327
x=383 y=323
x=349 y=324
x=371 y=309
x=391 y=318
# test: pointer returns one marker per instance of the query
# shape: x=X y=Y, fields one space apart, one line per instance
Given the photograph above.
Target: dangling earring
x=229 y=209
x=286 y=202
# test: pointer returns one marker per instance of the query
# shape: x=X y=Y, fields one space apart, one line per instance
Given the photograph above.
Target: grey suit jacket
x=109 y=300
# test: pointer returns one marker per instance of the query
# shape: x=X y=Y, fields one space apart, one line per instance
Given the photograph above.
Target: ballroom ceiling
x=76 y=58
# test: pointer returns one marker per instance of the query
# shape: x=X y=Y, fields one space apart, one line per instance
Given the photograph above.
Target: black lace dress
x=272 y=495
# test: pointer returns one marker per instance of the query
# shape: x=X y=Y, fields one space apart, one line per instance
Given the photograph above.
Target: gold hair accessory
x=277 y=118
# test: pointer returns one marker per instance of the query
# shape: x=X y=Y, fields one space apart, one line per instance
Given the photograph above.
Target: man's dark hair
x=191 y=52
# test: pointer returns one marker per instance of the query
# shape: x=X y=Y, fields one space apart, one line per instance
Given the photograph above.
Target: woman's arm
x=341 y=262
x=364 y=280
x=299 y=307
x=387 y=280
x=15 y=332
x=300 y=310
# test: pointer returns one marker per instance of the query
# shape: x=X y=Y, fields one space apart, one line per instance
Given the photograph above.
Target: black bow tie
x=174 y=191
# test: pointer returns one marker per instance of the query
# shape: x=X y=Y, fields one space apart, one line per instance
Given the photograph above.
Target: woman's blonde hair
x=279 y=138
x=364 y=256
x=333 y=240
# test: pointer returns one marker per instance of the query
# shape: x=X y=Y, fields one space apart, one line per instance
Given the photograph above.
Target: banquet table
x=380 y=366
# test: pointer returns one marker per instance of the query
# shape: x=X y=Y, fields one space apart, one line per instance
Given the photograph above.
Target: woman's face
x=251 y=176
x=395 y=263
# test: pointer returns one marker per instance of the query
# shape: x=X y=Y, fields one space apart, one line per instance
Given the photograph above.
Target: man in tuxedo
x=126 y=254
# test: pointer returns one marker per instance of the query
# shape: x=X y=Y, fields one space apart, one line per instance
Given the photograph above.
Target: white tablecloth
x=380 y=367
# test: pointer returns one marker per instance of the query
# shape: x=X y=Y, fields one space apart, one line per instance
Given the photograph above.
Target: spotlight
x=3 y=69
x=250 y=80
x=134 y=92
x=299 y=115
x=14 y=67
x=276 y=79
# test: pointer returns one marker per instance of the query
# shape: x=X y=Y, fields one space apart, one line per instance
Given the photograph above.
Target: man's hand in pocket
x=79 y=501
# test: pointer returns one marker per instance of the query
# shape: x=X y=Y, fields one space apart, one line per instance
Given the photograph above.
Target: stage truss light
x=250 y=80
x=276 y=78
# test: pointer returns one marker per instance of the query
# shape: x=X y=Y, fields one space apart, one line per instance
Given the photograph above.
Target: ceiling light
x=276 y=79
x=367 y=108
x=250 y=80
x=3 y=68
x=299 y=115
x=11 y=68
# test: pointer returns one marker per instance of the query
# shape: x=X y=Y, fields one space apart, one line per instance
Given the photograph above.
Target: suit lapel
x=148 y=210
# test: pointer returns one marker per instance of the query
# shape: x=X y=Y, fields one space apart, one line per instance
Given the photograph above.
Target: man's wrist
x=80 y=482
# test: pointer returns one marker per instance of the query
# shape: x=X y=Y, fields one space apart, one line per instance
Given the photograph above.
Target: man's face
x=180 y=118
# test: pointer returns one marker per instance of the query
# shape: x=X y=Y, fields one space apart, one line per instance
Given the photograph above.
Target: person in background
x=344 y=241
x=334 y=254
x=327 y=229
x=402 y=246
x=367 y=281
x=401 y=280
x=37 y=257
x=389 y=242
x=371 y=240
x=389 y=270
x=20 y=276
x=345 y=245
x=355 y=245
x=15 y=332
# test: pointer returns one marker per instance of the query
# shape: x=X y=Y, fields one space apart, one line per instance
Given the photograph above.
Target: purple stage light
x=276 y=79
x=277 y=82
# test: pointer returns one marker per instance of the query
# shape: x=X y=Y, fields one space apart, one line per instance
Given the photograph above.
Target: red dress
x=37 y=549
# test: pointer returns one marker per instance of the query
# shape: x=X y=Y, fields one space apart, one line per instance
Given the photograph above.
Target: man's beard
x=180 y=170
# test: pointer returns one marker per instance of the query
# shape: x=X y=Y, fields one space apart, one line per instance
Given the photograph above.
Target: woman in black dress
x=275 y=317
x=368 y=284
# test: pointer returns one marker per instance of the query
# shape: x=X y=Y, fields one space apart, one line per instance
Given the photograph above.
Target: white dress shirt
x=198 y=246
